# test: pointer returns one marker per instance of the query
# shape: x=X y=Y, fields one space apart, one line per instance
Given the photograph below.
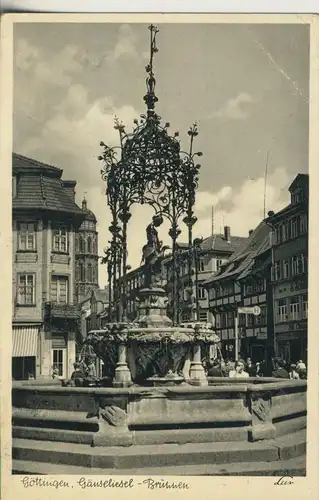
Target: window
x=212 y=293
x=58 y=361
x=304 y=306
x=285 y=269
x=201 y=293
x=294 y=265
x=263 y=315
x=27 y=236
x=294 y=308
x=217 y=320
x=89 y=244
x=282 y=310
x=250 y=320
x=277 y=234
x=223 y=320
x=249 y=289
x=303 y=224
x=203 y=316
x=300 y=264
x=60 y=240
x=59 y=289
x=293 y=227
x=230 y=319
x=276 y=271
x=219 y=263
x=259 y=286
x=89 y=272
x=201 y=265
x=81 y=244
x=26 y=289
x=14 y=186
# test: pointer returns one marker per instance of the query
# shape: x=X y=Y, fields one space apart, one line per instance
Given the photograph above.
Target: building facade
x=211 y=254
x=45 y=316
x=290 y=272
x=86 y=255
x=244 y=281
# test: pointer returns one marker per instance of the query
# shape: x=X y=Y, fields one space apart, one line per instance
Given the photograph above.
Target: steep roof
x=219 y=243
x=40 y=187
x=243 y=258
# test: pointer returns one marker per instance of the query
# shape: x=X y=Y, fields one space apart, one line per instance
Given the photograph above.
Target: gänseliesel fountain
x=149 y=167
x=159 y=394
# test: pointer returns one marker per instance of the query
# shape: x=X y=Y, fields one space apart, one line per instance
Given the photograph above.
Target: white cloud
x=235 y=108
x=55 y=70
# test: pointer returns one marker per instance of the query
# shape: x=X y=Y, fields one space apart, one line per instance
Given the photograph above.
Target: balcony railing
x=61 y=310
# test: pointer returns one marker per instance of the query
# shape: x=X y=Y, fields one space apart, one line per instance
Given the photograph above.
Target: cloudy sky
x=246 y=86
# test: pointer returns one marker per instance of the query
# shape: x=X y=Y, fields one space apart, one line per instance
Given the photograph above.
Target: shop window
x=27 y=237
x=26 y=289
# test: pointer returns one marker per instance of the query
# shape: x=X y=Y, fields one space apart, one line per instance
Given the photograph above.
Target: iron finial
x=150 y=97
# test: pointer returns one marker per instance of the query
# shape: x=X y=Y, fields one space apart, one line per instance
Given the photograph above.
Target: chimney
x=227 y=233
x=250 y=232
x=271 y=213
x=69 y=187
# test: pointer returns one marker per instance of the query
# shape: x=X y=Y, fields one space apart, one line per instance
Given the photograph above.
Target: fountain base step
x=295 y=467
x=229 y=458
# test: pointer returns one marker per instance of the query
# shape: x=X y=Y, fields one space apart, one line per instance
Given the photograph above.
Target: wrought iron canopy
x=149 y=167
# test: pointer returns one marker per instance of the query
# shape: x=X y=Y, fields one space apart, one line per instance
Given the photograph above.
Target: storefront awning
x=24 y=341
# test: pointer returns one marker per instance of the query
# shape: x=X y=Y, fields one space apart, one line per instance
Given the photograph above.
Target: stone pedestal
x=197 y=373
x=122 y=376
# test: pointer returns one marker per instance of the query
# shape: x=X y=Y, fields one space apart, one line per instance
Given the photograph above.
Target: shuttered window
x=59 y=289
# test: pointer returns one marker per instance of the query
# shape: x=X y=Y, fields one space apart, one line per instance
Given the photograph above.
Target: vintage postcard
x=159 y=247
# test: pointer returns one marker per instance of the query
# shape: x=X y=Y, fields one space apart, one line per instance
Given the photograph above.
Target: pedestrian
x=279 y=369
x=55 y=372
x=91 y=369
x=77 y=376
x=301 y=369
x=239 y=371
x=293 y=374
x=250 y=368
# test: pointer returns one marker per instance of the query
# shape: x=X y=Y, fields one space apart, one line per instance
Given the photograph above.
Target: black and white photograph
x=160 y=214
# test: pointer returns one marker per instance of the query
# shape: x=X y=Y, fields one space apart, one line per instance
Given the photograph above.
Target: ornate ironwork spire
x=150 y=97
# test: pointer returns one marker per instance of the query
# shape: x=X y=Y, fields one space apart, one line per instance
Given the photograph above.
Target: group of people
x=278 y=368
x=84 y=373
